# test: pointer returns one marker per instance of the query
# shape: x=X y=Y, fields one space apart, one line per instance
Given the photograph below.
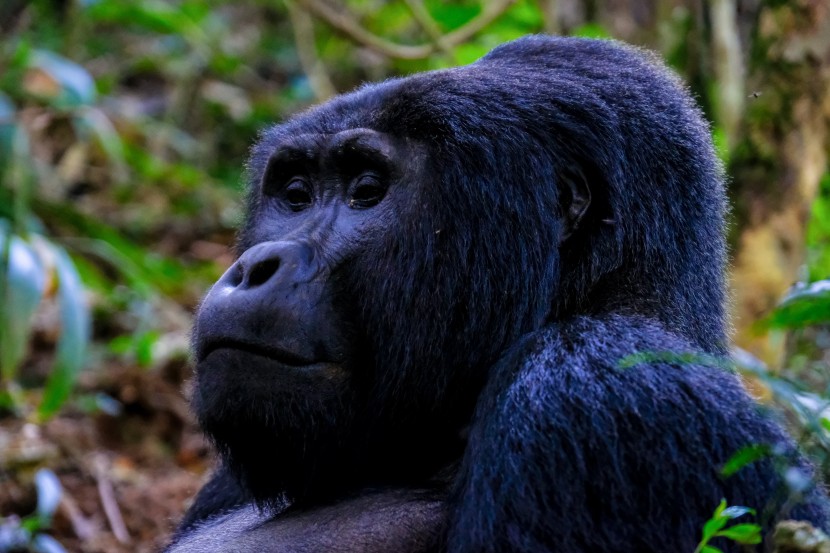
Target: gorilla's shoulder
x=622 y=347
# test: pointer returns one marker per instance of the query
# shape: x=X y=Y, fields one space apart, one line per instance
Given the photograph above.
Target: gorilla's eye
x=368 y=191
x=297 y=195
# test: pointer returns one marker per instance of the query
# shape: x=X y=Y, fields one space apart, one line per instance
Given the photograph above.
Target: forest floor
x=127 y=477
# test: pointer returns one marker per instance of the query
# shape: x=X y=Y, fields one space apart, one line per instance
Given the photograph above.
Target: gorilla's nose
x=270 y=302
x=271 y=265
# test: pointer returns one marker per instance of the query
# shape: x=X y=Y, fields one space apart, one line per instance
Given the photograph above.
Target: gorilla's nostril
x=236 y=274
x=262 y=271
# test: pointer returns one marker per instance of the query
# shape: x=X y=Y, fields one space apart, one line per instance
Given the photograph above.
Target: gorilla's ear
x=574 y=199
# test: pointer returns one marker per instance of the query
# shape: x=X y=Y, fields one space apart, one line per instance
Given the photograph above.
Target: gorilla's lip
x=274 y=353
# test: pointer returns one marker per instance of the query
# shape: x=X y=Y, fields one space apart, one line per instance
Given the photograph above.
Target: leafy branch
x=346 y=23
x=746 y=533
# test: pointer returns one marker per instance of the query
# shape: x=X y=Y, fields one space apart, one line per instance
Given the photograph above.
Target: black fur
x=482 y=310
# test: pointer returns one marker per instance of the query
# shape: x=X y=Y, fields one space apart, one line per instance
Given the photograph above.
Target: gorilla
x=482 y=309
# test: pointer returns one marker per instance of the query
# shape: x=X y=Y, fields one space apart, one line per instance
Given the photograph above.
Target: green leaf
x=674 y=358
x=744 y=457
x=719 y=509
x=25 y=284
x=804 y=305
x=49 y=493
x=710 y=549
x=742 y=533
x=712 y=527
x=75 y=331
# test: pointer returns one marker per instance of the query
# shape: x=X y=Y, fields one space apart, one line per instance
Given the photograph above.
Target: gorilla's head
x=400 y=238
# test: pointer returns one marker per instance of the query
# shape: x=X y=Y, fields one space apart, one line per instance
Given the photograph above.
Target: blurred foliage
x=29 y=533
x=35 y=270
x=818 y=234
x=715 y=527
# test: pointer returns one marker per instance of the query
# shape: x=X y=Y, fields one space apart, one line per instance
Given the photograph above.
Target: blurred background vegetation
x=124 y=128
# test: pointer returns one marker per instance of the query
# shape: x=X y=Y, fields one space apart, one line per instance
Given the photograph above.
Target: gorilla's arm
x=381 y=521
x=576 y=447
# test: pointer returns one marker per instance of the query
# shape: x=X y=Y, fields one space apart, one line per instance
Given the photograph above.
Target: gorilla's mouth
x=273 y=353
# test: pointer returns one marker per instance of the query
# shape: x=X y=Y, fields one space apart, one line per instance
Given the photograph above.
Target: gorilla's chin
x=277 y=427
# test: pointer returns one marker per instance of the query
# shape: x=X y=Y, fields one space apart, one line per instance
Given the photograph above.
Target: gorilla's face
x=382 y=273
x=284 y=364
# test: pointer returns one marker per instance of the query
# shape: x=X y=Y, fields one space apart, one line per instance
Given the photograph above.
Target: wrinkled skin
x=426 y=343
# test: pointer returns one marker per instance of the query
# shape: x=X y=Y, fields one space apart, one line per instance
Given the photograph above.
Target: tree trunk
x=779 y=160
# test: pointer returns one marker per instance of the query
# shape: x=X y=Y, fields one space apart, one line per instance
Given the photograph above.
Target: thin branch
x=550 y=15
x=81 y=525
x=314 y=69
x=107 y=495
x=424 y=18
x=729 y=67
x=345 y=23
x=489 y=13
